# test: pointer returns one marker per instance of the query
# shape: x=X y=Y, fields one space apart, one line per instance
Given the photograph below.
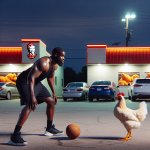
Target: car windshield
x=1 y=84
x=102 y=83
x=143 y=81
x=75 y=85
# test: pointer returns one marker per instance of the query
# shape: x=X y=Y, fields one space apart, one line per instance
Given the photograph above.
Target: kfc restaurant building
x=118 y=64
x=13 y=60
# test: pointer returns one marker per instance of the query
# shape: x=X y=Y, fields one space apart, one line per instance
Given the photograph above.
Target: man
x=33 y=92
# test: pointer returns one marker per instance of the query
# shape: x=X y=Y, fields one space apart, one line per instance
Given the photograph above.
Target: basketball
x=73 y=131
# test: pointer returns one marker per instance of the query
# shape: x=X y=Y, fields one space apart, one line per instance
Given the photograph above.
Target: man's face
x=61 y=58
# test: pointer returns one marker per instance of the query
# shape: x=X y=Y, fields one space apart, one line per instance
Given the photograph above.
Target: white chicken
x=131 y=119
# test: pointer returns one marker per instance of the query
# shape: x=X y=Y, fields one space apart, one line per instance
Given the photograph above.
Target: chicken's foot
x=128 y=136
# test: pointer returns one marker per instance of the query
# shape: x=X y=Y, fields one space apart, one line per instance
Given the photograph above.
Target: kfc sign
x=31 y=51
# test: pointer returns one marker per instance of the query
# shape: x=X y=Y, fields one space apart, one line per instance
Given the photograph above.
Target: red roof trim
x=30 y=40
x=10 y=55
x=131 y=55
x=96 y=46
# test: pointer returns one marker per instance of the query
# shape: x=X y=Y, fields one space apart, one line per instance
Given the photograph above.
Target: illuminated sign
x=31 y=51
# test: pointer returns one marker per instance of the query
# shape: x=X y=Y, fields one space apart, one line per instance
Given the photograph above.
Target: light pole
x=128 y=17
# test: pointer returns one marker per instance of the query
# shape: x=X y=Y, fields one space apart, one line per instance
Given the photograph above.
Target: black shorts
x=40 y=92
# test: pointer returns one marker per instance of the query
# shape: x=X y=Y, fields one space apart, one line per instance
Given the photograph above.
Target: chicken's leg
x=128 y=136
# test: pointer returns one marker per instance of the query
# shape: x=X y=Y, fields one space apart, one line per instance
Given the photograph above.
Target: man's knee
x=50 y=101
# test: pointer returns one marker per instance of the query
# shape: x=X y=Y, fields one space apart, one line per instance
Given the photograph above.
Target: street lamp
x=128 y=17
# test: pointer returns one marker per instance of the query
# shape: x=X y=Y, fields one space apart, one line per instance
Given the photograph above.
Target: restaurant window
x=126 y=78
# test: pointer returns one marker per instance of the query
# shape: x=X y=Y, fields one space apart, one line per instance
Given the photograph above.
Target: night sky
x=72 y=24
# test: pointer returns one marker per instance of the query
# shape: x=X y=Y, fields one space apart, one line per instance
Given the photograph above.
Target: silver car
x=76 y=90
x=8 y=90
x=139 y=89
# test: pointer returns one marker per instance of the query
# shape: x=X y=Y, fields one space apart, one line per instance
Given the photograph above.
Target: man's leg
x=23 y=117
x=50 y=110
x=16 y=138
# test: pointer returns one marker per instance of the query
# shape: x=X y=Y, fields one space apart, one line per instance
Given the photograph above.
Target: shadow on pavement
x=90 y=137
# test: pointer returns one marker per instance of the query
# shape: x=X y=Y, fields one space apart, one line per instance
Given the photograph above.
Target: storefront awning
x=11 y=55
x=131 y=55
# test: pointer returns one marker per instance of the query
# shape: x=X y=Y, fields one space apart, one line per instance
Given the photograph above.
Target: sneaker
x=17 y=140
x=53 y=131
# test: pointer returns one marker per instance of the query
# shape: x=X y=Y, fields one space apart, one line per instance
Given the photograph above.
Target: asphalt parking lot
x=99 y=128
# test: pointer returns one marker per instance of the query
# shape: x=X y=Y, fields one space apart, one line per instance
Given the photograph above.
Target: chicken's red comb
x=120 y=94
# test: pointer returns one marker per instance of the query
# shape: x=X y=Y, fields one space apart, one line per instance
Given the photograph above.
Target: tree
x=82 y=76
x=69 y=75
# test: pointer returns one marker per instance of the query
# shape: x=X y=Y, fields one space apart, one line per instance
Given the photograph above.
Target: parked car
x=139 y=89
x=76 y=90
x=8 y=90
x=103 y=90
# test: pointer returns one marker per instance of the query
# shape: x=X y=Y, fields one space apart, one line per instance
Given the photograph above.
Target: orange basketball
x=73 y=131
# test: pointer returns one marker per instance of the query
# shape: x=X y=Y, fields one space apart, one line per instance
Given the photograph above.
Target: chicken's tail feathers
x=143 y=106
x=142 y=111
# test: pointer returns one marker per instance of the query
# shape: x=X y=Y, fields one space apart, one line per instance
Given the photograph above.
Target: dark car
x=106 y=90
x=76 y=91
x=8 y=90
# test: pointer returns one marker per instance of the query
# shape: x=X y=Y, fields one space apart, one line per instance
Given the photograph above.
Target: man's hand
x=33 y=104
x=55 y=98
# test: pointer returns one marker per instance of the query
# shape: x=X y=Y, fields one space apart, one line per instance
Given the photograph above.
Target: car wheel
x=133 y=98
x=65 y=99
x=129 y=97
x=90 y=99
x=8 y=95
x=85 y=97
x=112 y=99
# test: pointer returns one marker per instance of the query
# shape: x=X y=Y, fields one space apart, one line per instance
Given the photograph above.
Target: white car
x=76 y=90
x=139 y=89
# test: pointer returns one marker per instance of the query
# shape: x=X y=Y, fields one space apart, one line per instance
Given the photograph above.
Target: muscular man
x=33 y=92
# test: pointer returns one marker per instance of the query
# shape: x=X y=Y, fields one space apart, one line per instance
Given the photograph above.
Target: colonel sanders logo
x=31 y=51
